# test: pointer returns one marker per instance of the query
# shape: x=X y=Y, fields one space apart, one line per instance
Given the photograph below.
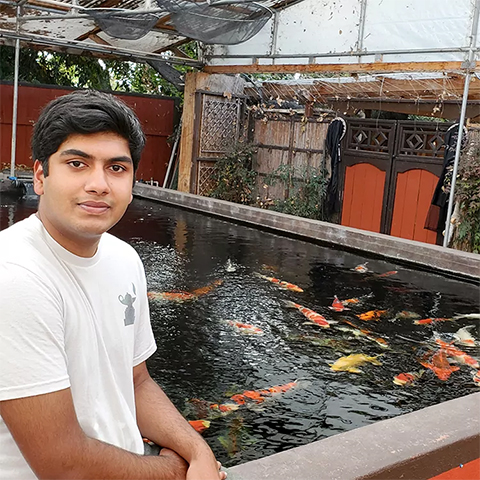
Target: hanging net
x=125 y=24
x=219 y=22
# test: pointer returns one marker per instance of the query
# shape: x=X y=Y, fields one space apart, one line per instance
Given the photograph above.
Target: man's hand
x=176 y=463
x=206 y=469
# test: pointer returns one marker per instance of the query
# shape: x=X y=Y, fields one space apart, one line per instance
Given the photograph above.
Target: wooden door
x=412 y=200
x=365 y=172
x=363 y=198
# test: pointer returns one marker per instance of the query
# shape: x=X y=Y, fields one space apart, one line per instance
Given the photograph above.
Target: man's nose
x=97 y=181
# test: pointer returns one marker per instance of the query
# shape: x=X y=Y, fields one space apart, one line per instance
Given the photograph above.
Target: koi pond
x=232 y=351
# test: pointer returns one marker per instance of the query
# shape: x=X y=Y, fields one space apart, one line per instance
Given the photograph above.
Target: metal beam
x=470 y=60
x=15 y=98
x=133 y=55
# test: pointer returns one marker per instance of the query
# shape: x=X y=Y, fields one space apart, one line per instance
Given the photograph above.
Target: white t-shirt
x=68 y=321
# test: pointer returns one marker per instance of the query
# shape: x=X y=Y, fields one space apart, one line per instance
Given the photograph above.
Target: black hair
x=85 y=112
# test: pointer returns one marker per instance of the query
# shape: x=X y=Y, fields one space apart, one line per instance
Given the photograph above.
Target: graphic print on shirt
x=128 y=300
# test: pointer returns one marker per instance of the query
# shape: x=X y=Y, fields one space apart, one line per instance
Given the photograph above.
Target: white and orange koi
x=464 y=337
x=428 y=321
x=310 y=314
x=476 y=377
x=457 y=355
x=246 y=328
x=406 y=379
x=280 y=283
x=337 y=305
x=362 y=268
x=361 y=332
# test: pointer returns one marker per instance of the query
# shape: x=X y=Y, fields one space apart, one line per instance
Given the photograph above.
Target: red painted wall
x=412 y=200
x=363 y=197
x=157 y=115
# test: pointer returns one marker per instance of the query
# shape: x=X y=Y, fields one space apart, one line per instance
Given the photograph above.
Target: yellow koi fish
x=350 y=363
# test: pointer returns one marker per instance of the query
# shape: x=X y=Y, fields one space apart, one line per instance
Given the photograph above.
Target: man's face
x=87 y=190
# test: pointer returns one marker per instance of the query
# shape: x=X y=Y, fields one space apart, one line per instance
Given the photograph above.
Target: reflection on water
x=201 y=356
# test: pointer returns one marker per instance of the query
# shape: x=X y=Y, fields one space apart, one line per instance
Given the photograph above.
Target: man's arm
x=160 y=421
x=46 y=430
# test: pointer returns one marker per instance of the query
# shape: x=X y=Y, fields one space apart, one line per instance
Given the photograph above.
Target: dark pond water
x=201 y=356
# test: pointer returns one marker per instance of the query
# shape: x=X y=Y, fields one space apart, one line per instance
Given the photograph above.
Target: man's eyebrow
x=74 y=151
x=80 y=153
x=123 y=159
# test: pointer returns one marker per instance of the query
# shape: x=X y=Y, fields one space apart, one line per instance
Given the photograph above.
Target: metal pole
x=461 y=123
x=15 y=102
x=361 y=28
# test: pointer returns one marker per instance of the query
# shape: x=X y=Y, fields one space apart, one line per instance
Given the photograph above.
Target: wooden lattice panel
x=219 y=126
x=369 y=137
x=421 y=141
x=206 y=178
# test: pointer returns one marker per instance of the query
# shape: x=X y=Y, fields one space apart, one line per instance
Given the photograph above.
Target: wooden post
x=186 y=141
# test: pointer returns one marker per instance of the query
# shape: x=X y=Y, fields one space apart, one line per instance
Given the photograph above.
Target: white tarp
x=317 y=31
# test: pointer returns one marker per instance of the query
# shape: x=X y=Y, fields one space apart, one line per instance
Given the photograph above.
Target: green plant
x=305 y=188
x=234 y=176
x=467 y=194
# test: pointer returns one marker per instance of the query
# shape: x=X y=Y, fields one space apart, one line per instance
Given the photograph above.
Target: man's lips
x=94 y=207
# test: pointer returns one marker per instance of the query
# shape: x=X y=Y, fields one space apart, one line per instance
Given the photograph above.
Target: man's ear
x=38 y=178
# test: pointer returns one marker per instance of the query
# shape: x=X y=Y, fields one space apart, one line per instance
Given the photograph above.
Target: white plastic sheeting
x=330 y=32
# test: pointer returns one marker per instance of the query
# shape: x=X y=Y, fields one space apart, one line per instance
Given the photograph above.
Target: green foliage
x=467 y=193
x=84 y=71
x=234 y=176
x=54 y=69
x=305 y=186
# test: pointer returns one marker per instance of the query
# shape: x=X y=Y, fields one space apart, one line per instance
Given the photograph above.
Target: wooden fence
x=158 y=116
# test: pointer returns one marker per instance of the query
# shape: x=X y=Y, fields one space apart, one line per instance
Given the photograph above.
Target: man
x=75 y=394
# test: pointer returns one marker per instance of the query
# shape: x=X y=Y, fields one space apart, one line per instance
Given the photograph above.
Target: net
x=124 y=24
x=218 y=22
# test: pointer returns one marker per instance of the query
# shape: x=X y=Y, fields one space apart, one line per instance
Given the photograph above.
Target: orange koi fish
x=310 y=314
x=362 y=268
x=440 y=366
x=372 y=315
x=456 y=354
x=337 y=305
x=172 y=296
x=406 y=379
x=351 y=301
x=224 y=408
x=258 y=396
x=428 y=321
x=246 y=328
x=199 y=425
x=280 y=283
x=360 y=332
x=207 y=289
x=388 y=274
x=184 y=296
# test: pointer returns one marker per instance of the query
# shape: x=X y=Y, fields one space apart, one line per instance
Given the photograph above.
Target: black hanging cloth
x=437 y=214
x=336 y=131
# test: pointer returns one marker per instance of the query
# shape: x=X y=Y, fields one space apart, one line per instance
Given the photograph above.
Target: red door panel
x=413 y=195
x=363 y=197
